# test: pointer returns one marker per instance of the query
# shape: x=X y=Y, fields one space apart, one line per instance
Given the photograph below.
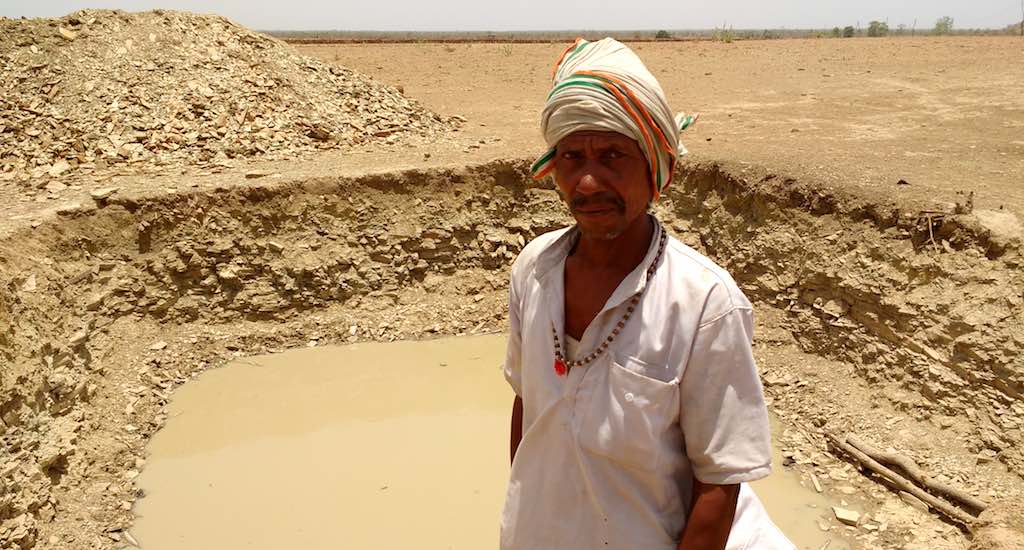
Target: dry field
x=945 y=115
x=142 y=253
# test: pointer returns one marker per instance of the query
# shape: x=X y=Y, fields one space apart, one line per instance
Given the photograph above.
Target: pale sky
x=509 y=15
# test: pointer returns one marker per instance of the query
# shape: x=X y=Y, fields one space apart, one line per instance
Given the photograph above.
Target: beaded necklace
x=562 y=365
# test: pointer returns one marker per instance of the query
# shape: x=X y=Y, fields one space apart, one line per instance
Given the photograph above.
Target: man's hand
x=711 y=514
x=517 y=427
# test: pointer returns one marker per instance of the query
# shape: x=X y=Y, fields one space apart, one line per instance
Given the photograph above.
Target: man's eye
x=613 y=154
x=570 y=155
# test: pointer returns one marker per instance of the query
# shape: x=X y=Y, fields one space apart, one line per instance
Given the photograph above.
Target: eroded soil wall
x=933 y=315
x=105 y=309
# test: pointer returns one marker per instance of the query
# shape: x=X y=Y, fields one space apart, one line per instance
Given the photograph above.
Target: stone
x=846 y=490
x=67 y=34
x=30 y=284
x=158 y=346
x=275 y=246
x=58 y=168
x=228 y=275
x=103 y=194
x=96 y=300
x=846 y=516
x=69 y=209
x=838 y=475
x=79 y=337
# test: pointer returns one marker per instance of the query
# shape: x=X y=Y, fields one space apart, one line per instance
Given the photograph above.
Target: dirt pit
x=337 y=445
x=867 y=325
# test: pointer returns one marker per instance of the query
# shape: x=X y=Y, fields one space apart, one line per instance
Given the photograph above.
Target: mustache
x=599 y=200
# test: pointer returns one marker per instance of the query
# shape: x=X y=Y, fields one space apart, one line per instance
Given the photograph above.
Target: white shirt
x=608 y=451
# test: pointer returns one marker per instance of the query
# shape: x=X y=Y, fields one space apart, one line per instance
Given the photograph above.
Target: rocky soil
x=99 y=90
x=930 y=307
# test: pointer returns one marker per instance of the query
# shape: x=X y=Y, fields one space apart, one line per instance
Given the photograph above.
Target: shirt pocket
x=628 y=415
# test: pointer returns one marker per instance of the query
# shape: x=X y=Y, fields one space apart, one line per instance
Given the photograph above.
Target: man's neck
x=623 y=252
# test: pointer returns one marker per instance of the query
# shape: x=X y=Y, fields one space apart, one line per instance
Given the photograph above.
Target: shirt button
x=629 y=396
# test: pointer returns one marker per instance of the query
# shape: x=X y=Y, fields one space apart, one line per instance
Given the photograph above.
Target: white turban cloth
x=604 y=86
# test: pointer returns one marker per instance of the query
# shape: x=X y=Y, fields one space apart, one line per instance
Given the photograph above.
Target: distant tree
x=878 y=28
x=848 y=31
x=944 y=25
x=836 y=32
x=662 y=35
x=901 y=29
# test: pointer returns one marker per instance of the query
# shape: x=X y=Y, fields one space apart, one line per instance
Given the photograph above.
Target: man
x=638 y=414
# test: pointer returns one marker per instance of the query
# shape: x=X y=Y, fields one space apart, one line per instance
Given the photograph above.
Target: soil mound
x=101 y=88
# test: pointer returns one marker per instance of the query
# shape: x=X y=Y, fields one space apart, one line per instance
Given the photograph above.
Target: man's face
x=605 y=180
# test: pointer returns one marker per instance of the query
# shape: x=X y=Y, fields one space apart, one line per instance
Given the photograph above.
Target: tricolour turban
x=604 y=86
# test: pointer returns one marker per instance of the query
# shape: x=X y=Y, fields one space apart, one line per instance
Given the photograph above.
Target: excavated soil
x=99 y=91
x=878 y=315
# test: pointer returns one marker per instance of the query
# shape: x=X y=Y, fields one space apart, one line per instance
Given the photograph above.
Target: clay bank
x=903 y=328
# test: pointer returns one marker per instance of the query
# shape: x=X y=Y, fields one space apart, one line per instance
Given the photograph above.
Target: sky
x=512 y=15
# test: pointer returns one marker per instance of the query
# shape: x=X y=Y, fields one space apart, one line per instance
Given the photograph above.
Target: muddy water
x=368 y=446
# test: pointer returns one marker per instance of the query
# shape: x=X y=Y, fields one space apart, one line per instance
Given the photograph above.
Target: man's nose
x=590 y=182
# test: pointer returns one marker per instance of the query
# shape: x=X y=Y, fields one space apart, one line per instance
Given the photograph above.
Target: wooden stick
x=973 y=505
x=902 y=483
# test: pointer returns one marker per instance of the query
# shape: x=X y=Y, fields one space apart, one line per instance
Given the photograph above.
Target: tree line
x=943 y=26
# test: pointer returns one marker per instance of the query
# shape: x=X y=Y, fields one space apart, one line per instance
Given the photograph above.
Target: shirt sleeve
x=513 y=354
x=722 y=409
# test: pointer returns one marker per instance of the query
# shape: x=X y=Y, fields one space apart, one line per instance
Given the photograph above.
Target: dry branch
x=902 y=483
x=970 y=502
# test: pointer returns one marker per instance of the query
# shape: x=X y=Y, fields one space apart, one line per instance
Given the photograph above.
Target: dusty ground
x=874 y=321
x=944 y=115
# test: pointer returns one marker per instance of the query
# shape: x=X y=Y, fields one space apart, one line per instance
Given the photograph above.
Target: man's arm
x=517 y=427
x=725 y=425
x=711 y=514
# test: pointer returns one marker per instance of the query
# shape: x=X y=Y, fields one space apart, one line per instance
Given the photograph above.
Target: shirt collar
x=556 y=253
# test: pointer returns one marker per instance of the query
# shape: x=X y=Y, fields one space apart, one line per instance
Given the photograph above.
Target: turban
x=604 y=86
